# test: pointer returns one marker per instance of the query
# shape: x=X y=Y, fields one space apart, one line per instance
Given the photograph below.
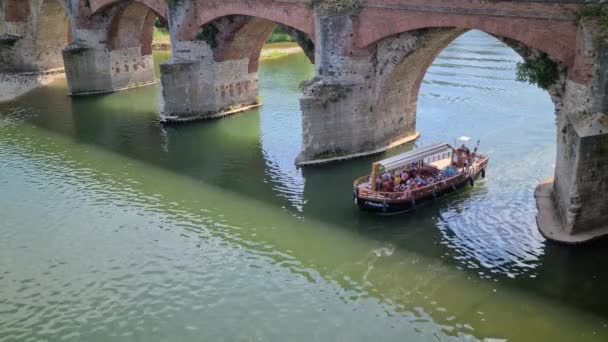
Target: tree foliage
x=208 y=34
x=541 y=71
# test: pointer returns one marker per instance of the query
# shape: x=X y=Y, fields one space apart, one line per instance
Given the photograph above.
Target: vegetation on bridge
x=597 y=12
x=337 y=7
x=541 y=71
x=208 y=34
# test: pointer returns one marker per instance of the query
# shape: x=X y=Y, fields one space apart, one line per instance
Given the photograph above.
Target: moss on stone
x=172 y=3
x=332 y=93
x=598 y=12
x=337 y=7
x=334 y=153
x=208 y=34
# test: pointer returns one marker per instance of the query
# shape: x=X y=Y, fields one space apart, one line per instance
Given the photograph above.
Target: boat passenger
x=386 y=176
x=404 y=176
x=397 y=179
x=387 y=186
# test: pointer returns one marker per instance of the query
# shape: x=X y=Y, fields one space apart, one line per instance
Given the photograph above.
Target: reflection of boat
x=401 y=182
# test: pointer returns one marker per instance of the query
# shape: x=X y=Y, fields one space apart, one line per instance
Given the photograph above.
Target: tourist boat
x=429 y=172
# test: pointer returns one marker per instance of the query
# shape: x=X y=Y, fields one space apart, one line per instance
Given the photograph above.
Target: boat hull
x=393 y=207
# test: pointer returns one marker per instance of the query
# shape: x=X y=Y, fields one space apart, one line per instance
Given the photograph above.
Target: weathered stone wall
x=214 y=64
x=195 y=86
x=36 y=37
x=581 y=182
x=13 y=85
x=32 y=33
x=2 y=20
x=91 y=71
x=113 y=47
x=367 y=98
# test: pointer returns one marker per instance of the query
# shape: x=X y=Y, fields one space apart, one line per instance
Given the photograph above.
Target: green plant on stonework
x=208 y=34
x=337 y=7
x=541 y=71
x=306 y=83
x=171 y=3
x=332 y=93
x=598 y=12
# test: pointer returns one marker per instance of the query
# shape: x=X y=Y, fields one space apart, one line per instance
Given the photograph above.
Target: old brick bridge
x=370 y=58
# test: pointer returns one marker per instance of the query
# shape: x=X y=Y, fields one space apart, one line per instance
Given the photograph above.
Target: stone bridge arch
x=371 y=63
x=132 y=27
x=113 y=45
x=216 y=51
x=396 y=82
x=295 y=14
x=158 y=6
x=554 y=33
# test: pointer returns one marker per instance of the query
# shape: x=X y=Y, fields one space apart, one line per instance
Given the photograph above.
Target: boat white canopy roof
x=414 y=156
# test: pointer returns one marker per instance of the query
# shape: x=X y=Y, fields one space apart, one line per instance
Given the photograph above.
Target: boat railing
x=401 y=195
x=421 y=192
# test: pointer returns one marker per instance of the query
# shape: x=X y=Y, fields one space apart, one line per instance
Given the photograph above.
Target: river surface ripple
x=113 y=227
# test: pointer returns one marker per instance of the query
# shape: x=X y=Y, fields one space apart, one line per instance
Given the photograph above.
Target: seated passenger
x=386 y=176
x=387 y=186
x=397 y=179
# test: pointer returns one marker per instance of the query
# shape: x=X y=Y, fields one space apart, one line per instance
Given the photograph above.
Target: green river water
x=116 y=228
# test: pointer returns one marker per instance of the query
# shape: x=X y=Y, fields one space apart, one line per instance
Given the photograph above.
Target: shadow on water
x=230 y=154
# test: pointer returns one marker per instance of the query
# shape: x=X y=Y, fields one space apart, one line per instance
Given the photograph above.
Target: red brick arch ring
x=296 y=15
x=158 y=6
x=557 y=38
x=125 y=30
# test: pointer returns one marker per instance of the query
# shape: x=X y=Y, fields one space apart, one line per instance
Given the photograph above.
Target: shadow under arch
x=235 y=37
x=133 y=27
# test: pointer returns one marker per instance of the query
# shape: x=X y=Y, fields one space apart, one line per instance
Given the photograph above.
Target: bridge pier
x=100 y=70
x=195 y=86
x=364 y=100
x=573 y=205
x=32 y=33
x=112 y=47
x=216 y=47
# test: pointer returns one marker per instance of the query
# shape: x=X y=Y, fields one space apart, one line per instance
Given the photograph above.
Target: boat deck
x=441 y=164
